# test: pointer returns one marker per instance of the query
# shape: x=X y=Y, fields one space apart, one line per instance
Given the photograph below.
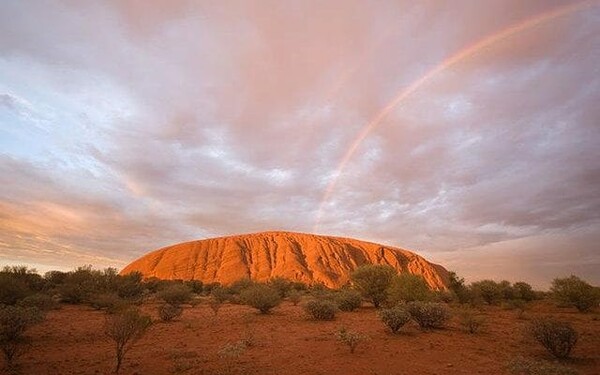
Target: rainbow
x=459 y=56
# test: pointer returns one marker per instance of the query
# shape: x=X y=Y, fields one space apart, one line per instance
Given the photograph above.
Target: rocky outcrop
x=260 y=256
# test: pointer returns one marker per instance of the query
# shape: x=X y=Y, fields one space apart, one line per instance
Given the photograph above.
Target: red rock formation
x=296 y=256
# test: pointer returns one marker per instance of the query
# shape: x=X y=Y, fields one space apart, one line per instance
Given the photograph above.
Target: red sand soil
x=71 y=341
x=261 y=256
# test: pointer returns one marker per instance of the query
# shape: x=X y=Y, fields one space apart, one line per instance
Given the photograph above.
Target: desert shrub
x=429 y=314
x=443 y=296
x=350 y=338
x=348 y=300
x=457 y=287
x=490 y=291
x=522 y=366
x=125 y=329
x=507 y=292
x=372 y=281
x=220 y=294
x=14 y=322
x=229 y=355
x=395 y=317
x=196 y=286
x=109 y=302
x=54 y=278
x=523 y=291
x=28 y=276
x=295 y=296
x=168 y=312
x=238 y=286
x=130 y=286
x=41 y=301
x=558 y=337
x=407 y=287
x=470 y=321
x=320 y=309
x=12 y=290
x=261 y=297
x=176 y=294
x=517 y=304
x=572 y=291
x=281 y=285
x=215 y=305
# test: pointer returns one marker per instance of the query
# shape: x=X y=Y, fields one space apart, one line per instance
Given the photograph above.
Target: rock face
x=295 y=256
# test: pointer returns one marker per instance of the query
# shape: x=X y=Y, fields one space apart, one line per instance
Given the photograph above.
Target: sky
x=466 y=131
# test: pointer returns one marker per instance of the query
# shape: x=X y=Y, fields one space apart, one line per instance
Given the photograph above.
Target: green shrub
x=320 y=309
x=168 y=312
x=261 y=297
x=524 y=291
x=281 y=285
x=572 y=291
x=488 y=290
x=373 y=281
x=14 y=322
x=395 y=317
x=407 y=287
x=350 y=338
x=196 y=286
x=458 y=288
x=43 y=302
x=176 y=294
x=558 y=337
x=429 y=314
x=125 y=329
x=348 y=300
x=12 y=290
x=471 y=322
x=295 y=296
x=109 y=302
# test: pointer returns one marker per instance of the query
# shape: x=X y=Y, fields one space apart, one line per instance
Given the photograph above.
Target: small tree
x=572 y=291
x=125 y=329
x=407 y=287
x=523 y=291
x=261 y=297
x=395 y=317
x=14 y=322
x=558 y=337
x=372 y=281
x=490 y=291
x=215 y=305
x=457 y=286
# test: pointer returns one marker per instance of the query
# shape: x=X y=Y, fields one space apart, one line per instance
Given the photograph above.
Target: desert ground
x=71 y=341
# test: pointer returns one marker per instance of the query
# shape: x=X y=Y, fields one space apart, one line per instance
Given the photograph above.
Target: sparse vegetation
x=348 y=300
x=215 y=305
x=168 y=312
x=558 y=337
x=109 y=302
x=470 y=321
x=319 y=309
x=373 y=281
x=395 y=317
x=429 y=314
x=262 y=297
x=14 y=323
x=574 y=292
x=350 y=338
x=125 y=329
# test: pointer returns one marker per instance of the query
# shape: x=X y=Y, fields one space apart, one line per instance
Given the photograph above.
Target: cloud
x=127 y=126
